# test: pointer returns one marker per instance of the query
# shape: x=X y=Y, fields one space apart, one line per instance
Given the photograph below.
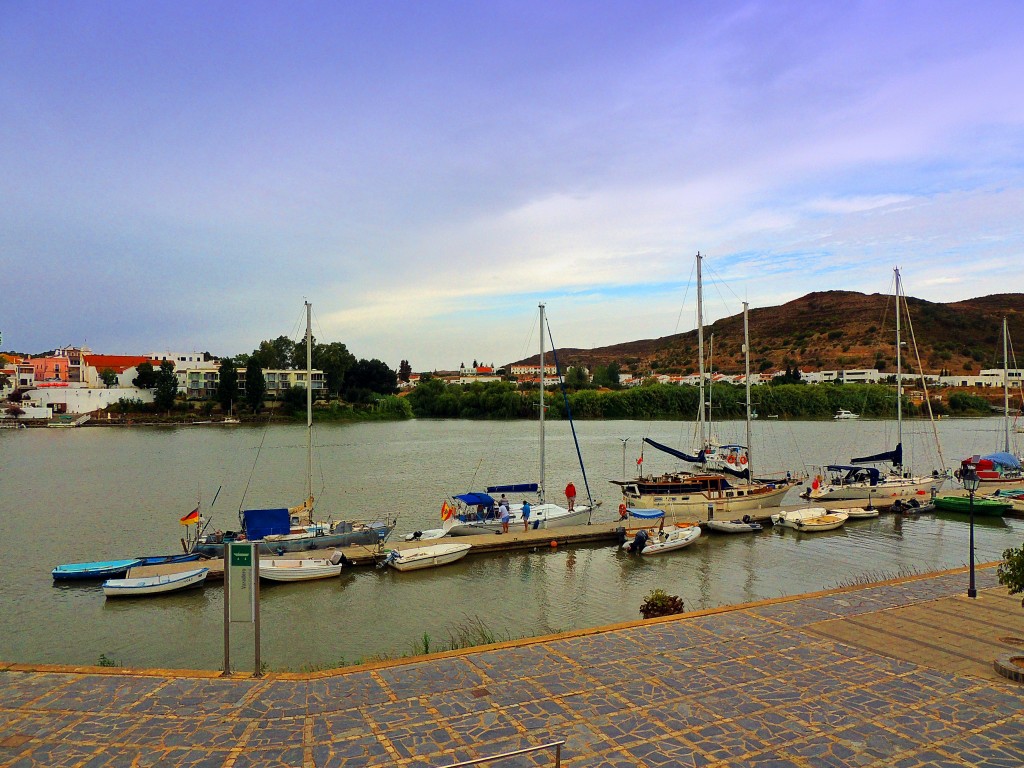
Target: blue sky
x=180 y=176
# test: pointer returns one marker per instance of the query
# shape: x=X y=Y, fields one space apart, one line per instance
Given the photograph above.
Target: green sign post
x=241 y=594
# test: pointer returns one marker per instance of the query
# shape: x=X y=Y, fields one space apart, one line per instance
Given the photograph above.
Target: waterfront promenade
x=891 y=674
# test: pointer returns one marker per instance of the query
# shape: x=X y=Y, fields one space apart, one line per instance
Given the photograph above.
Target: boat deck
x=897 y=673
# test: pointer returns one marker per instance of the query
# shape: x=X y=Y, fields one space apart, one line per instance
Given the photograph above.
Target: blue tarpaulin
x=260 y=523
x=1003 y=459
x=473 y=499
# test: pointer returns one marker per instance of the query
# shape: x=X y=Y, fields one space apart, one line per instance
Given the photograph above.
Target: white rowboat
x=427 y=557
x=859 y=513
x=298 y=570
x=155 y=585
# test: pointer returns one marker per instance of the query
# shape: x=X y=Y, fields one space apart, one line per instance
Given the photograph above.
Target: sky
x=179 y=176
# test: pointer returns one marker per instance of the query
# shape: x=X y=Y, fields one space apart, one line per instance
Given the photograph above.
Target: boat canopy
x=260 y=523
x=515 y=488
x=1003 y=459
x=895 y=456
x=475 y=499
x=646 y=514
x=873 y=475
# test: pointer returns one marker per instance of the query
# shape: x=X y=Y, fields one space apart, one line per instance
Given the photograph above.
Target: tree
x=369 y=376
x=1011 y=571
x=146 y=378
x=576 y=378
x=255 y=384
x=108 y=377
x=334 y=360
x=227 y=386
x=277 y=354
x=298 y=358
x=404 y=371
x=166 y=387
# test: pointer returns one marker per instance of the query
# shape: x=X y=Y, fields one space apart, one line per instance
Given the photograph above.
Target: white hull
x=733 y=526
x=427 y=557
x=673 y=537
x=693 y=507
x=790 y=518
x=859 y=513
x=812 y=520
x=541 y=516
x=154 y=585
x=886 y=489
x=432 y=533
x=298 y=570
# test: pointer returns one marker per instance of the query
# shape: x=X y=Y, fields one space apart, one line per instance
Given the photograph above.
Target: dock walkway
x=896 y=674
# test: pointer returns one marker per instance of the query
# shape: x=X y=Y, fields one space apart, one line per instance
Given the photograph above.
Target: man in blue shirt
x=526 y=515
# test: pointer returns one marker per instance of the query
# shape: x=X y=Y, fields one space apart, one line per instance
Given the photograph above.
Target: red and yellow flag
x=191 y=518
x=447 y=510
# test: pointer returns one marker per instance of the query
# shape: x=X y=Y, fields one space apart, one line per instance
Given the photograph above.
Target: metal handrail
x=480 y=760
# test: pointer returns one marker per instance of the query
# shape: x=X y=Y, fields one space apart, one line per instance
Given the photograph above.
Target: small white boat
x=827 y=522
x=666 y=539
x=745 y=525
x=427 y=557
x=789 y=519
x=298 y=570
x=842 y=415
x=860 y=513
x=427 y=535
x=155 y=585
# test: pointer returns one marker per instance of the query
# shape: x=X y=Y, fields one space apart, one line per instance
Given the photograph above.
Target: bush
x=660 y=603
x=1011 y=571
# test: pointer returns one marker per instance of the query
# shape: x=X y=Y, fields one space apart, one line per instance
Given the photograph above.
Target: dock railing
x=481 y=760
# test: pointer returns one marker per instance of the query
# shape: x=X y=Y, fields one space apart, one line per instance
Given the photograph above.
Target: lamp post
x=624 y=440
x=971 y=482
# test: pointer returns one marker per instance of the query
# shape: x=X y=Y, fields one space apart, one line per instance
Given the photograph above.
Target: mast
x=309 y=406
x=746 y=377
x=700 y=349
x=541 y=484
x=899 y=369
x=1006 y=389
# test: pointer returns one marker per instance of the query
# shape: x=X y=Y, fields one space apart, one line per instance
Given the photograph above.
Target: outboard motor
x=620 y=535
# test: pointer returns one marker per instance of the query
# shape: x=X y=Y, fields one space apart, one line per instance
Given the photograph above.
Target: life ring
x=731 y=459
x=743 y=459
x=623 y=512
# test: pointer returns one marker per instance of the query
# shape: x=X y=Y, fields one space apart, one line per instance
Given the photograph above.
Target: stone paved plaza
x=896 y=674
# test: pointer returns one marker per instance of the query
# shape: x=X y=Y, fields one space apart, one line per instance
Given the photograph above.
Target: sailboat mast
x=746 y=377
x=541 y=484
x=1006 y=389
x=899 y=367
x=700 y=350
x=309 y=403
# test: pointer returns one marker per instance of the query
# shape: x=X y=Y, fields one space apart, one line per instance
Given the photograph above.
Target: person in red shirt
x=570 y=495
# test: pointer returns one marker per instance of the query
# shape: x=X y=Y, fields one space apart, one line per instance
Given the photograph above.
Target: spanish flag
x=447 y=510
x=191 y=518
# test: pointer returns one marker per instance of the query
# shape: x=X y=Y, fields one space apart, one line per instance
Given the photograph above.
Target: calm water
x=94 y=493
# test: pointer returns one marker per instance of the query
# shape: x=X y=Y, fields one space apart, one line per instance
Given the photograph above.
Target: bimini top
x=475 y=499
x=646 y=514
x=1003 y=459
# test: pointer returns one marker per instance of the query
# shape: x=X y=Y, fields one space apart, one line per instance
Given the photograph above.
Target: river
x=97 y=493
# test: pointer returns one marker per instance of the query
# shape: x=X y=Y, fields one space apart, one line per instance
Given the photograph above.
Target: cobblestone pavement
x=833 y=679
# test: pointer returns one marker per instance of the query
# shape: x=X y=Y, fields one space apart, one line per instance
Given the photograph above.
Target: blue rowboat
x=103 y=569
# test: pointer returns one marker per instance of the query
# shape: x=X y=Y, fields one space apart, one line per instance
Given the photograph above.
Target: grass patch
x=871 y=577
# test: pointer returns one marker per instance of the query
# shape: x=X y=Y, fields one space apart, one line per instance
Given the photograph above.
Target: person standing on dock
x=570 y=495
x=504 y=515
x=526 y=515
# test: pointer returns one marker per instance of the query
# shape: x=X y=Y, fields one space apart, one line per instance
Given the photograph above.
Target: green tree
x=369 y=376
x=255 y=384
x=166 y=386
x=334 y=360
x=227 y=385
x=278 y=353
x=1011 y=571
x=404 y=371
x=293 y=399
x=576 y=378
x=146 y=378
x=108 y=377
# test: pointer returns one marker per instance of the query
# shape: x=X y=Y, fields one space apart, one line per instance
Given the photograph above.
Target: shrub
x=660 y=603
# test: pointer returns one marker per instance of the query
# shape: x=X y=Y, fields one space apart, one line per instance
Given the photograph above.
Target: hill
x=832 y=330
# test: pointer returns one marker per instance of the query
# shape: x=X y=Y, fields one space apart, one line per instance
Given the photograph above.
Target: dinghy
x=427 y=557
x=104 y=569
x=861 y=513
x=746 y=525
x=298 y=570
x=827 y=522
x=155 y=585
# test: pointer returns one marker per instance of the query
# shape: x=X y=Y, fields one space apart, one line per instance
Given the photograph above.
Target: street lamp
x=971 y=482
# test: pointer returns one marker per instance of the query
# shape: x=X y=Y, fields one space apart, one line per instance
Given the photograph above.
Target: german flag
x=191 y=518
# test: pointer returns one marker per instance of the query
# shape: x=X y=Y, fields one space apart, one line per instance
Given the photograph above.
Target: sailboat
x=477 y=512
x=1001 y=469
x=713 y=488
x=293 y=529
x=855 y=481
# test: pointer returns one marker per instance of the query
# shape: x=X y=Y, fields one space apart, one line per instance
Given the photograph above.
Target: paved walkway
x=896 y=674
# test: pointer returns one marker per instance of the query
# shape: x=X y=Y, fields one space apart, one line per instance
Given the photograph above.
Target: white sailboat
x=477 y=512
x=708 y=492
x=857 y=480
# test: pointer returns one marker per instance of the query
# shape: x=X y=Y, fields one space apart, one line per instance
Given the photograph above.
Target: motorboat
x=657 y=541
x=744 y=525
x=844 y=415
x=789 y=518
x=828 y=522
x=861 y=513
x=430 y=556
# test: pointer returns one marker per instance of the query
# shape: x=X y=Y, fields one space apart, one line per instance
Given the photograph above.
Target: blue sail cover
x=473 y=499
x=515 y=488
x=895 y=456
x=260 y=523
x=1004 y=459
x=698 y=459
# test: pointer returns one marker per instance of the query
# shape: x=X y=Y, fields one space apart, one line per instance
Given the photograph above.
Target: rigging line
x=568 y=410
x=252 y=471
x=924 y=382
